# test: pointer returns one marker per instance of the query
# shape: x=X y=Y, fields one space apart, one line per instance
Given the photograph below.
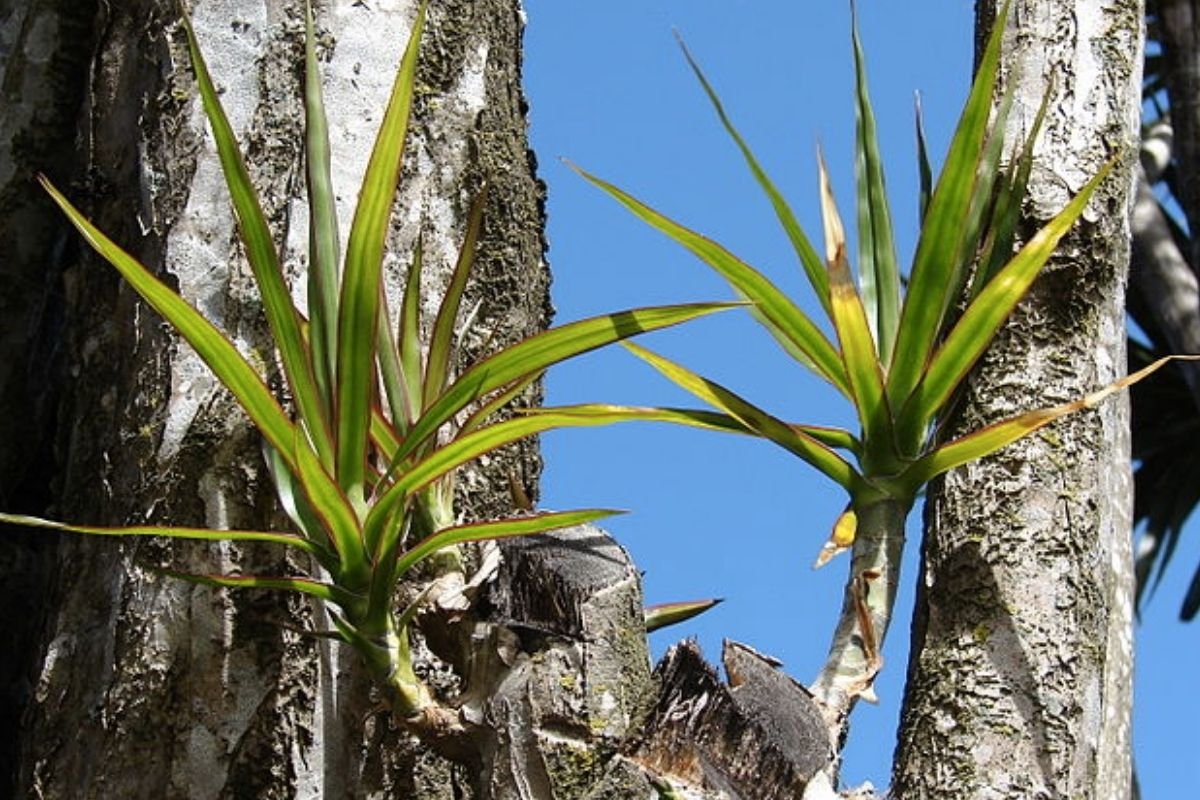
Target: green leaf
x=535 y=354
x=989 y=191
x=441 y=342
x=854 y=331
x=839 y=438
x=986 y=314
x=374 y=652
x=396 y=528
x=499 y=529
x=338 y=518
x=1006 y=213
x=412 y=369
x=325 y=591
x=924 y=171
x=783 y=318
x=665 y=791
x=209 y=343
x=296 y=506
x=755 y=419
x=663 y=615
x=204 y=534
x=462 y=449
x=498 y=401
x=359 y=308
x=877 y=266
x=324 y=248
x=605 y=413
x=406 y=617
x=391 y=374
x=264 y=261
x=934 y=279
x=988 y=440
x=384 y=436
x=807 y=255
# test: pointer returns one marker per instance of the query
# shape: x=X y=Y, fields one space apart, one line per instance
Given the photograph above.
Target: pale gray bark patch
x=1022 y=650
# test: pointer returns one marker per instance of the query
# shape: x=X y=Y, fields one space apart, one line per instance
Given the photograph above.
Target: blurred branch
x=1179 y=35
x=1165 y=285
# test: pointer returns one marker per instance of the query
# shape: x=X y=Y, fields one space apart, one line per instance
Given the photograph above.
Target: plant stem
x=384 y=649
x=854 y=659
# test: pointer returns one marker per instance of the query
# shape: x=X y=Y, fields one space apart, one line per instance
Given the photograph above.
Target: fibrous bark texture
x=761 y=736
x=571 y=605
x=126 y=683
x=1021 y=661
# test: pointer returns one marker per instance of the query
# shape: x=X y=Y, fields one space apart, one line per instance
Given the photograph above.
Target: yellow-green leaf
x=538 y=352
x=359 y=306
x=464 y=448
x=805 y=252
x=204 y=534
x=499 y=529
x=325 y=591
x=984 y=317
x=338 y=518
x=441 y=342
x=264 y=260
x=755 y=419
x=662 y=615
x=988 y=440
x=790 y=326
x=324 y=248
x=934 y=277
x=877 y=267
x=853 y=330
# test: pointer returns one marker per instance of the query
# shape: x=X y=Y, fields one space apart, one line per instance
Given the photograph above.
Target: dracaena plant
x=365 y=464
x=900 y=350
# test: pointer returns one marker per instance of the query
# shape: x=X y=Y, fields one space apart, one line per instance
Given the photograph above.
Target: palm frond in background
x=1164 y=296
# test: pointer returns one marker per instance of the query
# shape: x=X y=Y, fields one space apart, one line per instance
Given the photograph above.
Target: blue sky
x=721 y=516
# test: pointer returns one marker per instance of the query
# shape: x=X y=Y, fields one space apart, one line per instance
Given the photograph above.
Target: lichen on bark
x=1020 y=667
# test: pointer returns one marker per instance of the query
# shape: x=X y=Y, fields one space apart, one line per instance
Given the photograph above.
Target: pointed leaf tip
x=663 y=615
x=988 y=440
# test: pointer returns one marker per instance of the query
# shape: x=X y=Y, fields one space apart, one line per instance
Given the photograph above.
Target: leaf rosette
x=364 y=463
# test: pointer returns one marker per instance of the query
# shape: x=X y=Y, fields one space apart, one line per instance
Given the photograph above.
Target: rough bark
x=1021 y=659
x=129 y=684
x=41 y=87
x=760 y=736
x=570 y=604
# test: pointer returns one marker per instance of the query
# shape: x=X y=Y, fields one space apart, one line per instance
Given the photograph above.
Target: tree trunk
x=127 y=683
x=1021 y=660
